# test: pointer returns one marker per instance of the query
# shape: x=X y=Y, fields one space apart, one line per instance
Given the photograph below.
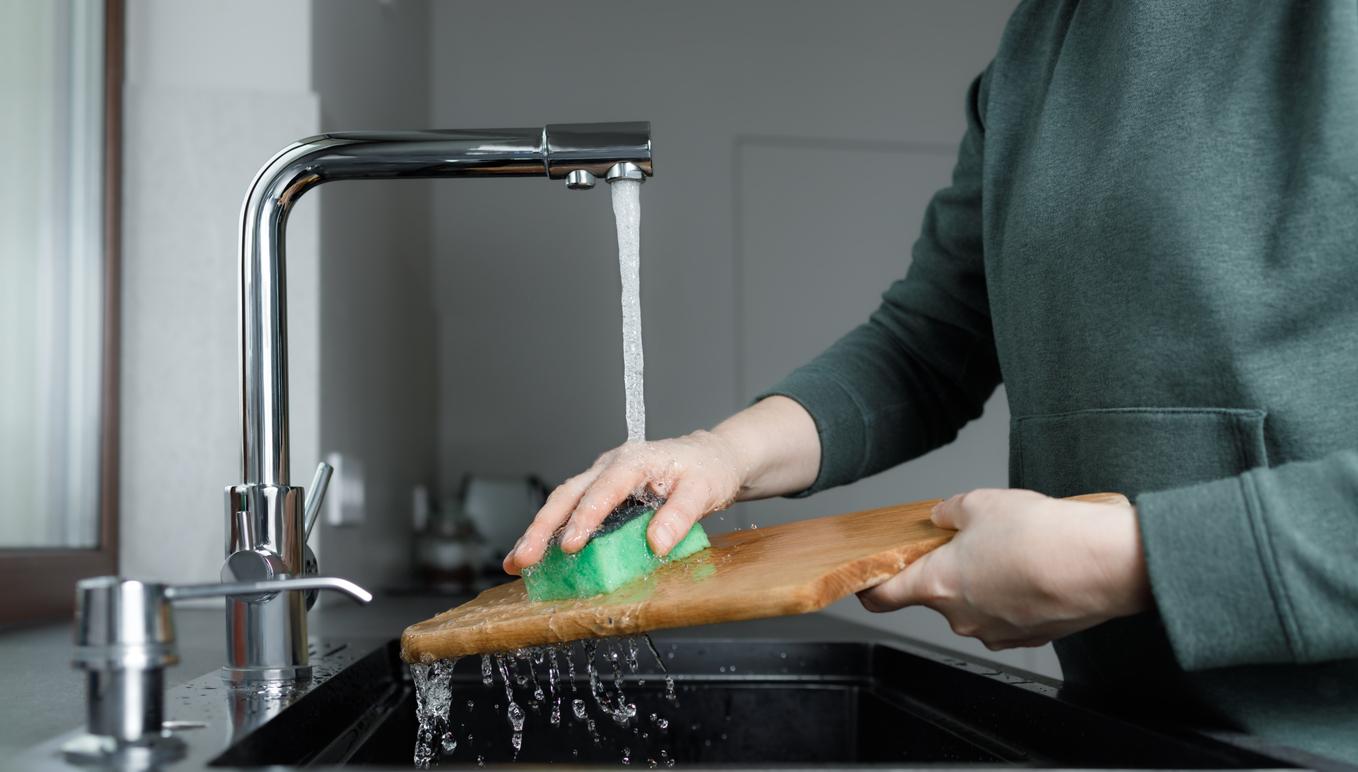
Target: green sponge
x=617 y=554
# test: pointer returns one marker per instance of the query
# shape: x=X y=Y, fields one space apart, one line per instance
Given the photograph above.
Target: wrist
x=1123 y=559
x=740 y=452
x=774 y=447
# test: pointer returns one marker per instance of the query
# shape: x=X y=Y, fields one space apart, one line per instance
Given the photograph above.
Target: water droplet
x=578 y=708
x=625 y=712
x=449 y=742
x=515 y=714
x=632 y=649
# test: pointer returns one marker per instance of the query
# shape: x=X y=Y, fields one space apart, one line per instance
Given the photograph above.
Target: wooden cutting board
x=786 y=569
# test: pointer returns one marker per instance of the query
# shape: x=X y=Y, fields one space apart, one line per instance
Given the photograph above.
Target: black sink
x=741 y=703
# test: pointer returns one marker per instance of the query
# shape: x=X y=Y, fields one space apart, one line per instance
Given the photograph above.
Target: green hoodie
x=1151 y=237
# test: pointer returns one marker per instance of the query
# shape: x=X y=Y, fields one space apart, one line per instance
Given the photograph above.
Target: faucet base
x=254 y=675
x=266 y=636
x=103 y=752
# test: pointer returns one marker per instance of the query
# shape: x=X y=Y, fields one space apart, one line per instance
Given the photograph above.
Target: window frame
x=42 y=580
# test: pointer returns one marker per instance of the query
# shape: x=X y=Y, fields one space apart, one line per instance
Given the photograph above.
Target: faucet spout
x=267 y=640
x=555 y=151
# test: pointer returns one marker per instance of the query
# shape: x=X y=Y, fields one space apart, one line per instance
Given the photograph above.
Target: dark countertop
x=45 y=696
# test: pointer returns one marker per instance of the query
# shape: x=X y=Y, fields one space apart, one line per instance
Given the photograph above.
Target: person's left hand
x=1024 y=569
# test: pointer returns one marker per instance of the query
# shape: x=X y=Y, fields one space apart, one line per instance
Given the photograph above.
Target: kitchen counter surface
x=45 y=696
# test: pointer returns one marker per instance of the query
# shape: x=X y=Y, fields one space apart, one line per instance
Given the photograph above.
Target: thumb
x=908 y=588
x=948 y=513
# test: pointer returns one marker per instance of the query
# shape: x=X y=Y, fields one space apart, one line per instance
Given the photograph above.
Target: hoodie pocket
x=1130 y=450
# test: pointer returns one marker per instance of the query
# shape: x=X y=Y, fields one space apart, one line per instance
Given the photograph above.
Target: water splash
x=524 y=687
x=553 y=675
x=632 y=649
x=627 y=212
x=512 y=711
x=433 y=698
x=660 y=661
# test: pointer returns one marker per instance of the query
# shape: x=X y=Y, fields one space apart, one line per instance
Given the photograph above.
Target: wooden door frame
x=40 y=583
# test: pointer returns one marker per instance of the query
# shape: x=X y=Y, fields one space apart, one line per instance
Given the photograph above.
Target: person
x=1151 y=238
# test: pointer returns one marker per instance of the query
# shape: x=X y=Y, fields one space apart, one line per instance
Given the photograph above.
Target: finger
x=609 y=489
x=685 y=506
x=530 y=547
x=916 y=585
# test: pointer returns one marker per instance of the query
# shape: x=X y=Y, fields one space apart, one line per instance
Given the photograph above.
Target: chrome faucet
x=266 y=526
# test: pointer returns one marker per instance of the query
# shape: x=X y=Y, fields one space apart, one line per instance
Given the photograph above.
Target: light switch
x=345 y=505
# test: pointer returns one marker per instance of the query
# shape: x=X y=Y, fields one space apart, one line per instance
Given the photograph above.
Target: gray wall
x=796 y=145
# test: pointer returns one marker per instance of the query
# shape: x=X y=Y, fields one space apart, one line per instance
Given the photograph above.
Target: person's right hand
x=696 y=474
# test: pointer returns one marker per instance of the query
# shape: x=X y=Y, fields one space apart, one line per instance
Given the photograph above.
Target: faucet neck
x=553 y=152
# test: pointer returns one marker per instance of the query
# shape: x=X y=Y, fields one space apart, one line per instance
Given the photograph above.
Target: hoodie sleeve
x=924 y=363
x=1270 y=556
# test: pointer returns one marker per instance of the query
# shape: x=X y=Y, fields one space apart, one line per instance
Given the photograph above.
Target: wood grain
x=793 y=568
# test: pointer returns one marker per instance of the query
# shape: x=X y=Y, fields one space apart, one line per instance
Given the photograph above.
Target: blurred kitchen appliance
x=502 y=507
x=450 y=553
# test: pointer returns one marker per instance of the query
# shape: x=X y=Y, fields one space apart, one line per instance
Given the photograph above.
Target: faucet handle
x=268 y=588
x=311 y=508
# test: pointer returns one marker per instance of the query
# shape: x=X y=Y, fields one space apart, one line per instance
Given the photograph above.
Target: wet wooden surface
x=792 y=568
